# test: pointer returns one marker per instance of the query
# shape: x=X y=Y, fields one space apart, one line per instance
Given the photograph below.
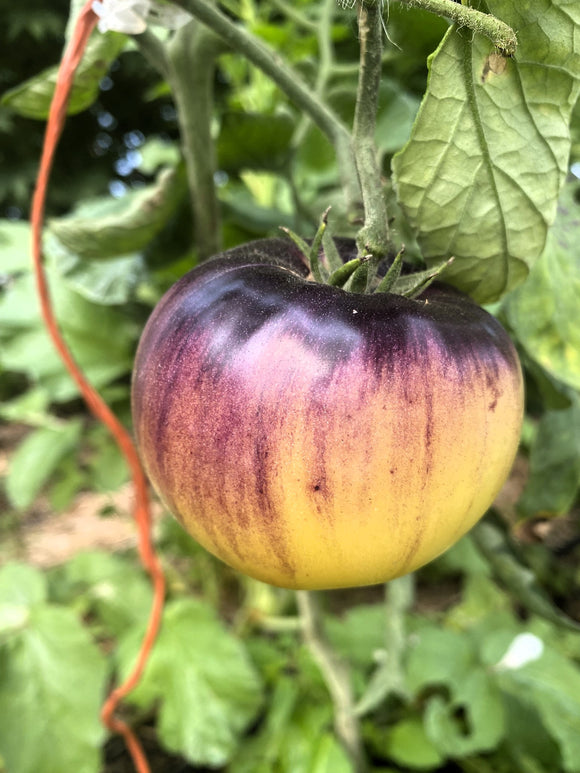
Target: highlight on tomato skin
x=315 y=438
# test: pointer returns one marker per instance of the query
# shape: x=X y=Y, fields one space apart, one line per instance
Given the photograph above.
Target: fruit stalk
x=373 y=237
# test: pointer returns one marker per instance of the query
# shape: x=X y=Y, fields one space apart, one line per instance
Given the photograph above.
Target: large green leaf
x=471 y=719
x=201 y=674
x=409 y=746
x=35 y=460
x=545 y=312
x=21 y=584
x=14 y=246
x=112 y=590
x=100 y=337
x=110 y=227
x=32 y=98
x=480 y=176
x=549 y=683
x=52 y=682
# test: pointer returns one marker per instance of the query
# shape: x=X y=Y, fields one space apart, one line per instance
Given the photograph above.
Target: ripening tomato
x=316 y=438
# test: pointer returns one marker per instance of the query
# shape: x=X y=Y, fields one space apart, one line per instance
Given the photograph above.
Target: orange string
x=84 y=26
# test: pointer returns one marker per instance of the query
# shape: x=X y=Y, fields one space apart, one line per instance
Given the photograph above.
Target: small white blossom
x=132 y=16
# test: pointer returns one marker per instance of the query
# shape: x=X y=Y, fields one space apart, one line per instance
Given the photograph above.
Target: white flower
x=525 y=648
x=129 y=16
x=132 y=16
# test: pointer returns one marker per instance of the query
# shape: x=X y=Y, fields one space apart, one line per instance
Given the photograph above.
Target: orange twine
x=74 y=52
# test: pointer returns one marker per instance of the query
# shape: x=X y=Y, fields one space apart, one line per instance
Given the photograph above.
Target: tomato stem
x=337 y=676
x=374 y=237
x=292 y=84
x=192 y=55
x=501 y=35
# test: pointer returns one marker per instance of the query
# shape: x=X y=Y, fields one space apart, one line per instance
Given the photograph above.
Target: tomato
x=316 y=438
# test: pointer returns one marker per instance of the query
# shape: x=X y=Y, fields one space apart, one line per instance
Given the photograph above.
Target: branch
x=502 y=36
x=373 y=238
x=337 y=677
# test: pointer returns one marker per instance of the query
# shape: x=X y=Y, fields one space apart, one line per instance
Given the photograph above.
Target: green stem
x=192 y=56
x=290 y=82
x=296 y=16
x=337 y=677
x=500 y=34
x=390 y=677
x=324 y=64
x=154 y=51
x=373 y=237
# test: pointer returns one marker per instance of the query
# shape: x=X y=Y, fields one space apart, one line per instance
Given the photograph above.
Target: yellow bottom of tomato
x=397 y=486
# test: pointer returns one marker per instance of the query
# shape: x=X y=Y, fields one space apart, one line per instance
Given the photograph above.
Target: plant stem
x=337 y=677
x=296 y=16
x=389 y=676
x=324 y=64
x=192 y=55
x=290 y=82
x=154 y=51
x=501 y=35
x=373 y=237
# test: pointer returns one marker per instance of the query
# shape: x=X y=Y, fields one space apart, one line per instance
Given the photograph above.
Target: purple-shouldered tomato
x=316 y=438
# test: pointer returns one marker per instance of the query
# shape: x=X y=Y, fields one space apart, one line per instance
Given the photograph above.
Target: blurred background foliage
x=476 y=669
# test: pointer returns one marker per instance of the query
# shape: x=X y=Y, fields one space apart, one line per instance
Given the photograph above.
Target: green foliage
x=208 y=689
x=36 y=459
x=554 y=479
x=32 y=98
x=108 y=228
x=543 y=312
x=488 y=154
x=483 y=673
x=53 y=678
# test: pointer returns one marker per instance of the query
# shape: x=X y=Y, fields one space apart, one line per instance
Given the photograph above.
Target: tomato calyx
x=353 y=275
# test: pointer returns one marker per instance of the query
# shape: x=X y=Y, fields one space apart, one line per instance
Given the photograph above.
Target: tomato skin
x=314 y=438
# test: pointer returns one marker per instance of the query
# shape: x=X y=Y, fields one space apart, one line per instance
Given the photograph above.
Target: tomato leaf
x=52 y=685
x=410 y=747
x=208 y=689
x=89 y=328
x=544 y=312
x=111 y=589
x=22 y=584
x=489 y=149
x=295 y=738
x=471 y=719
x=36 y=458
x=550 y=684
x=15 y=246
x=32 y=98
x=254 y=141
x=108 y=228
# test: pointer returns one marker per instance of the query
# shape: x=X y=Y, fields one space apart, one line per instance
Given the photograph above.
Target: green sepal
x=394 y=272
x=413 y=285
x=341 y=276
